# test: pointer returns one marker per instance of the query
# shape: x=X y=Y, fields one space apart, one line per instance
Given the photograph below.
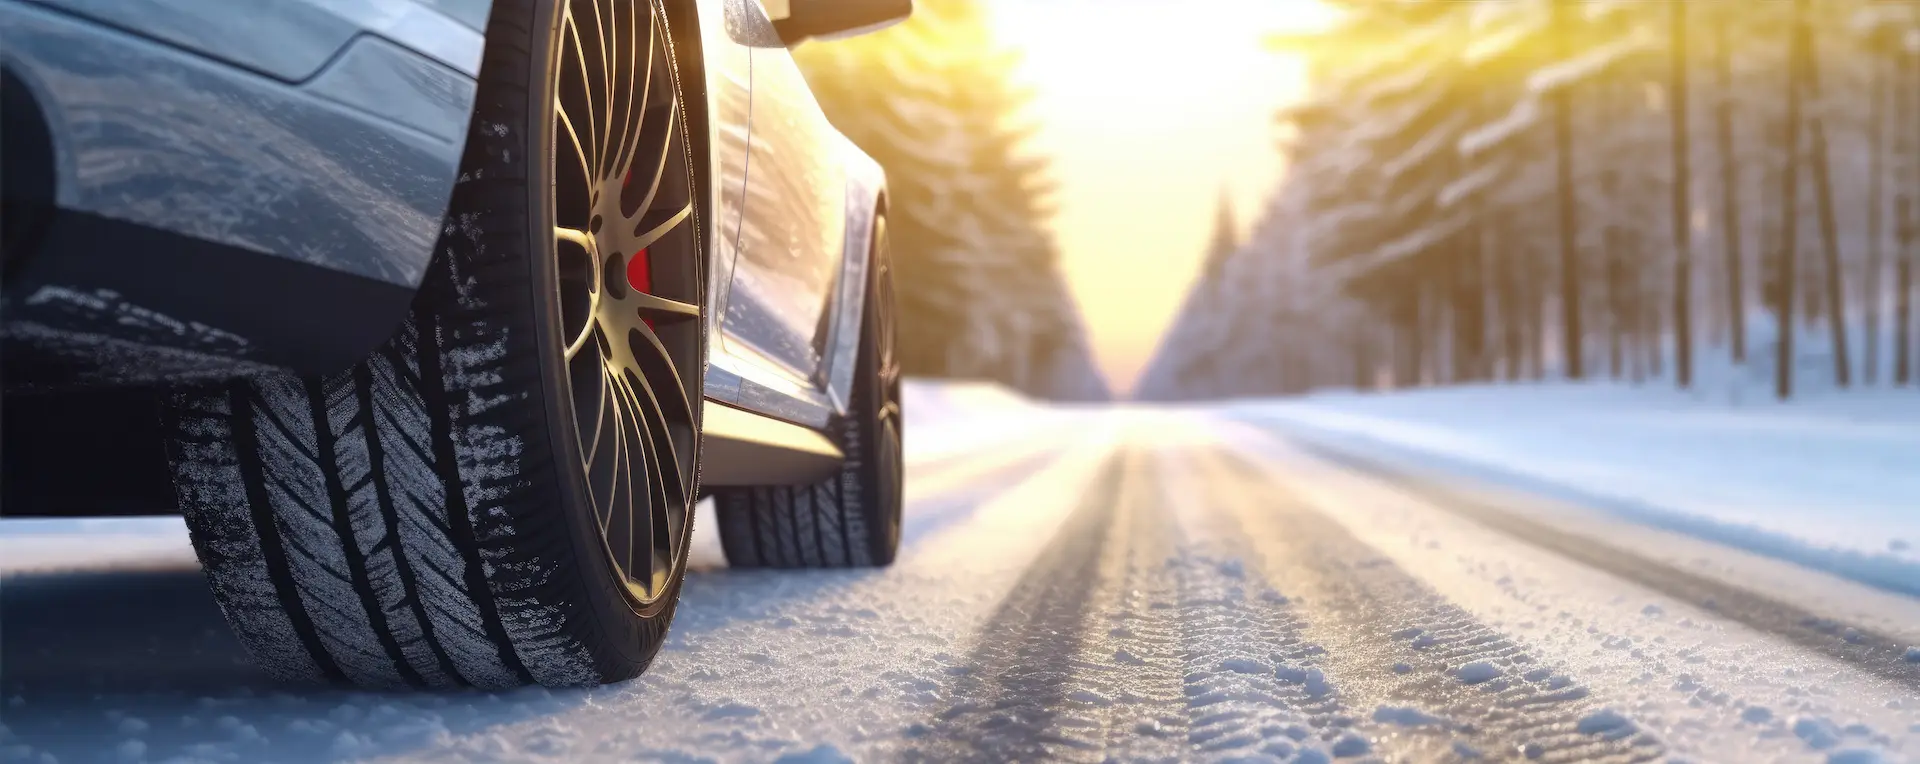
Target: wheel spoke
x=666 y=146
x=660 y=526
x=645 y=453
x=636 y=116
x=662 y=436
x=623 y=98
x=586 y=165
x=606 y=87
x=645 y=236
x=662 y=310
x=599 y=422
x=659 y=365
x=586 y=91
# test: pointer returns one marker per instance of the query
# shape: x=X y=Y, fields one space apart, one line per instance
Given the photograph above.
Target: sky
x=1151 y=111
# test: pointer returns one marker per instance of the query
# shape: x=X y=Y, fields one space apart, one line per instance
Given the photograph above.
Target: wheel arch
x=866 y=190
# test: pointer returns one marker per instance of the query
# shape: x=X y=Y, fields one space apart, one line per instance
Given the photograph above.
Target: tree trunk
x=1836 y=297
x=1907 y=206
x=1870 y=286
x=1469 y=310
x=1787 y=265
x=1903 y=371
x=1616 y=300
x=1729 y=193
x=1513 y=312
x=1411 y=351
x=1682 y=209
x=1571 y=330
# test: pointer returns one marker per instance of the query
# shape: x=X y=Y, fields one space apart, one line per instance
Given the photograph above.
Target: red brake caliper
x=640 y=277
x=639 y=267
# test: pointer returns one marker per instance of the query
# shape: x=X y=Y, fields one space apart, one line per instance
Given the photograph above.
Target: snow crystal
x=1351 y=745
x=1405 y=716
x=1314 y=679
x=1817 y=732
x=731 y=711
x=1603 y=722
x=1857 y=756
x=820 y=754
x=1243 y=666
x=1477 y=672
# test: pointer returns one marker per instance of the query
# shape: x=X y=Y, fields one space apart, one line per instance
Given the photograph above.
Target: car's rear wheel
x=853 y=518
x=502 y=494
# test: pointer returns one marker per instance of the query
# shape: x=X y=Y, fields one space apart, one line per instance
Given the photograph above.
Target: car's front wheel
x=502 y=494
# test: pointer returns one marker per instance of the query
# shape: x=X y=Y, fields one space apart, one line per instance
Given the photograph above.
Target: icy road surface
x=1085 y=585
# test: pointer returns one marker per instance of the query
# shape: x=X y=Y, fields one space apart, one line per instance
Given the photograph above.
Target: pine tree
x=934 y=101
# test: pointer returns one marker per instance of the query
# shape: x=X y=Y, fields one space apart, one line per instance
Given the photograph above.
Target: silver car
x=435 y=318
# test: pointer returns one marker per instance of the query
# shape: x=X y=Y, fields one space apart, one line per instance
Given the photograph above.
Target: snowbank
x=1831 y=482
x=949 y=417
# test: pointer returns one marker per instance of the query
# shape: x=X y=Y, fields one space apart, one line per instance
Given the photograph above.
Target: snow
x=1406 y=716
x=1606 y=721
x=1826 y=482
x=1584 y=66
x=1477 y=672
x=1126 y=583
x=1523 y=115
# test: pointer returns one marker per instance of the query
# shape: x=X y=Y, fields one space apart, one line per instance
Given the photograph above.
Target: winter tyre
x=851 y=519
x=502 y=493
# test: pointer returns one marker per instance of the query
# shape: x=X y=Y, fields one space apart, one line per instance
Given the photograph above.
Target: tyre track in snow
x=1127 y=641
x=1251 y=684
x=1016 y=693
x=1428 y=679
x=1876 y=654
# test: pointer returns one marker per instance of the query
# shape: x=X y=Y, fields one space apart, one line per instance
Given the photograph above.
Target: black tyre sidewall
x=883 y=500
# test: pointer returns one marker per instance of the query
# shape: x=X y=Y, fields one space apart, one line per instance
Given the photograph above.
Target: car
x=436 y=318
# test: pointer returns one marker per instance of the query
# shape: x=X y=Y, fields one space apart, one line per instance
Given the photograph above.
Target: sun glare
x=1150 y=110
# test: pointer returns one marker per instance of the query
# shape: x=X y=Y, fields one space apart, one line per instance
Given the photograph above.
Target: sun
x=1149 y=110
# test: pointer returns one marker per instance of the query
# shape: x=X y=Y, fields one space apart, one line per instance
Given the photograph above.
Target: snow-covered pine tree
x=935 y=102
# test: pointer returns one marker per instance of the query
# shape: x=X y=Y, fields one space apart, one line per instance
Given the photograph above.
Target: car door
x=792 y=228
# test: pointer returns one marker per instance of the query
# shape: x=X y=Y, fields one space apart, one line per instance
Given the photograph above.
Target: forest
x=1717 y=195
x=934 y=100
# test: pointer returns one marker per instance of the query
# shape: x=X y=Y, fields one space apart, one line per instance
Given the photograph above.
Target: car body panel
x=349 y=170
x=291 y=221
x=791 y=241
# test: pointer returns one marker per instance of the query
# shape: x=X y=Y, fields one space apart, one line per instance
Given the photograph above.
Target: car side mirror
x=834 y=19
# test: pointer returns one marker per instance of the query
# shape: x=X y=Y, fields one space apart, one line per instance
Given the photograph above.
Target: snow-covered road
x=1086 y=584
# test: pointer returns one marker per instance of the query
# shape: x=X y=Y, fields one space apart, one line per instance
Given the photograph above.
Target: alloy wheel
x=631 y=281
